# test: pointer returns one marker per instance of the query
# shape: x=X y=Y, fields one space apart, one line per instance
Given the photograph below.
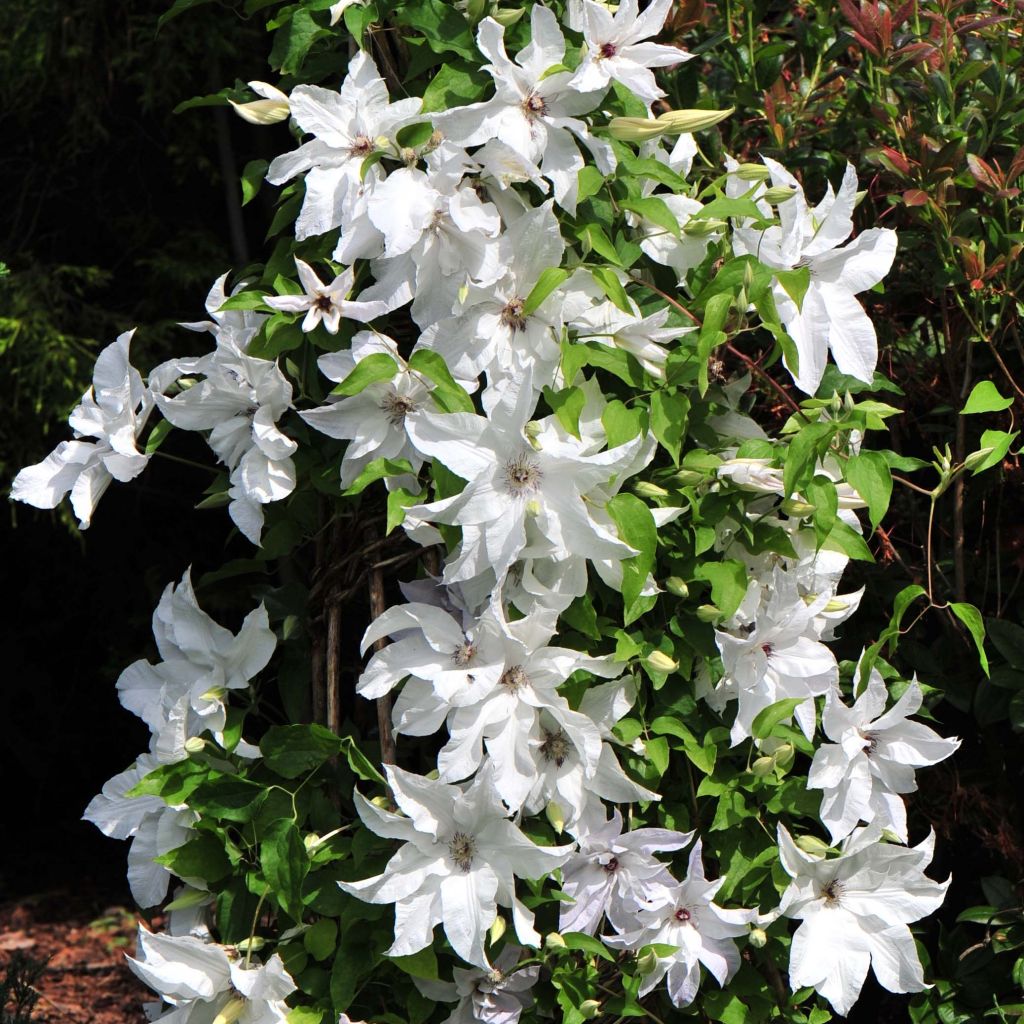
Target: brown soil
x=82 y=940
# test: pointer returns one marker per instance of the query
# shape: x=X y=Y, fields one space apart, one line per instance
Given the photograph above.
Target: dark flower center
x=512 y=315
x=608 y=50
x=462 y=848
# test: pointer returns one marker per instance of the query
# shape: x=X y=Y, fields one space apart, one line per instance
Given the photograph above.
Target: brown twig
x=375 y=581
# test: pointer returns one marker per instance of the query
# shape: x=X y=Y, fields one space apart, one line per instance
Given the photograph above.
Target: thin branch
x=375 y=581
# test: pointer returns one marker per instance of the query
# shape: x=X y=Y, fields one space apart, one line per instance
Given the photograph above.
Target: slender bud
x=253 y=945
x=813 y=845
x=672 y=122
x=380 y=801
x=497 y=929
x=794 y=507
x=311 y=841
x=703 y=227
x=977 y=458
x=508 y=17
x=778 y=194
x=554 y=941
x=784 y=755
x=763 y=766
x=658 y=661
x=687 y=477
x=674 y=585
x=262 y=111
x=708 y=613
x=751 y=172
x=555 y=815
x=589 y=1009
x=758 y=938
x=646 y=489
x=634 y=129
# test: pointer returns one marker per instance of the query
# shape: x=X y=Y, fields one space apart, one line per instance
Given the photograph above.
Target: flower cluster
x=506 y=430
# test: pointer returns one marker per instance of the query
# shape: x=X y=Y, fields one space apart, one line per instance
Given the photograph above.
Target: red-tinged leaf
x=896 y=159
x=1016 y=168
x=1007 y=193
x=915 y=197
x=983 y=174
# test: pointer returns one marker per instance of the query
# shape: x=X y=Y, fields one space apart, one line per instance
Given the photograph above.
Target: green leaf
x=971 y=618
x=445 y=30
x=985 y=397
x=807 y=446
x=379 y=469
x=253 y=175
x=711 y=334
x=608 y=281
x=821 y=493
x=321 y=939
x=448 y=394
x=158 y=435
x=178 y=7
x=1008 y=638
x=244 y=300
x=567 y=405
x=370 y=370
x=454 y=85
x=591 y=181
x=360 y=763
x=285 y=865
x=583 y=943
x=669 y=411
x=413 y=135
x=227 y=797
x=293 y=750
x=728 y=581
x=636 y=527
x=418 y=965
x=398 y=501
x=999 y=442
x=766 y=719
x=594 y=239
x=795 y=283
x=846 y=539
x=655 y=210
x=549 y=280
x=621 y=424
x=293 y=41
x=202 y=857
x=648 y=167
x=870 y=476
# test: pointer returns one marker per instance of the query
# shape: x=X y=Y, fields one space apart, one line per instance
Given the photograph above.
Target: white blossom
x=854 y=910
x=872 y=759
x=113 y=413
x=459 y=862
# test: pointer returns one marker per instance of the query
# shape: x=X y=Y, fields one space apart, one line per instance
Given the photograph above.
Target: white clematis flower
x=347 y=126
x=519 y=499
x=616 y=49
x=113 y=412
x=202 y=983
x=154 y=827
x=535 y=113
x=239 y=400
x=780 y=658
x=872 y=759
x=183 y=696
x=615 y=874
x=854 y=910
x=327 y=303
x=684 y=916
x=829 y=316
x=460 y=861
x=375 y=421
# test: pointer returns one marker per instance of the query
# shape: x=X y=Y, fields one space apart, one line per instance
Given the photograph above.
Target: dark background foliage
x=119 y=213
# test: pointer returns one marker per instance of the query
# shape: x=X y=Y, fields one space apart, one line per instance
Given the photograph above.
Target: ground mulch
x=81 y=938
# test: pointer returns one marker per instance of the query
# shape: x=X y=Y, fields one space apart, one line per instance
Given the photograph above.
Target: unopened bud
x=195 y=745
x=813 y=845
x=646 y=489
x=311 y=841
x=751 y=172
x=763 y=766
x=554 y=941
x=758 y=938
x=703 y=227
x=659 y=661
x=262 y=111
x=835 y=605
x=231 y=1012
x=673 y=122
x=977 y=458
x=687 y=477
x=589 y=1009
x=647 y=963
x=382 y=142
x=497 y=929
x=674 y=585
x=708 y=613
x=380 y=801
x=784 y=755
x=555 y=815
x=253 y=945
x=778 y=194
x=532 y=432
x=508 y=17
x=795 y=507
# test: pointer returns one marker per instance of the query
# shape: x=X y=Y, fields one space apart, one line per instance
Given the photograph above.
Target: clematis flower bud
x=554 y=941
x=231 y=1012
x=752 y=172
x=708 y=613
x=703 y=227
x=763 y=766
x=674 y=585
x=645 y=489
x=658 y=661
x=497 y=929
x=758 y=938
x=195 y=745
x=672 y=122
x=269 y=110
x=589 y=1009
x=778 y=194
x=813 y=845
x=555 y=815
